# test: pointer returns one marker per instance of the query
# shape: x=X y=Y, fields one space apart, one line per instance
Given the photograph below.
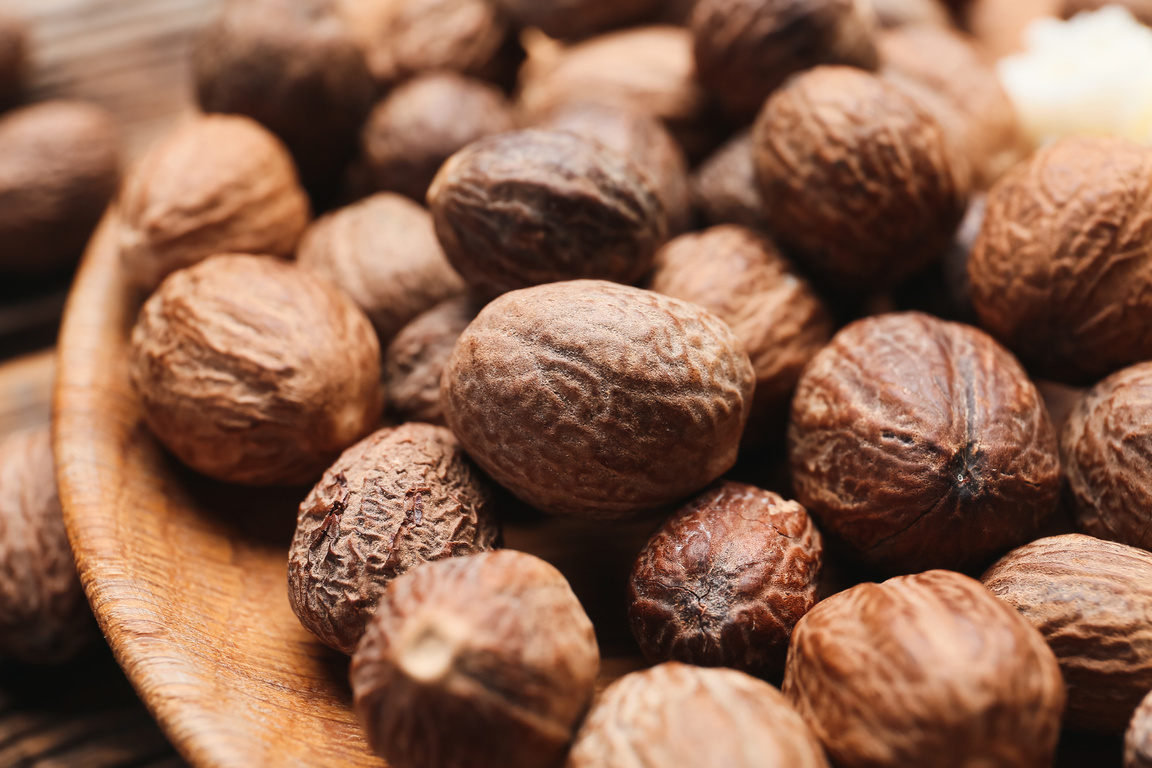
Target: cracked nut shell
x=1138 y=738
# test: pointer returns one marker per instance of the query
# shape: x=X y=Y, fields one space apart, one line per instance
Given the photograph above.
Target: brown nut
x=294 y=67
x=13 y=58
x=1138 y=739
x=44 y=618
x=577 y=18
x=59 y=167
x=901 y=13
x=724 y=187
x=399 y=498
x=678 y=716
x=1141 y=9
x=531 y=207
x=1062 y=270
x=383 y=253
x=415 y=360
x=740 y=276
x=596 y=399
x=857 y=177
x=920 y=443
x=486 y=661
x=219 y=184
x=725 y=579
x=1091 y=600
x=1106 y=442
x=253 y=371
x=745 y=49
x=921 y=670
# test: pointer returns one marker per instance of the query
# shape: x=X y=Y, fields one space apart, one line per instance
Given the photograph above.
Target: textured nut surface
x=596 y=399
x=577 y=18
x=740 y=276
x=679 y=716
x=253 y=371
x=401 y=497
x=746 y=48
x=921 y=443
x=219 y=184
x=857 y=177
x=59 y=166
x=1062 y=270
x=415 y=360
x=725 y=579
x=422 y=122
x=929 y=669
x=531 y=207
x=44 y=617
x=724 y=187
x=1092 y=602
x=13 y=57
x=481 y=661
x=1138 y=739
x=382 y=252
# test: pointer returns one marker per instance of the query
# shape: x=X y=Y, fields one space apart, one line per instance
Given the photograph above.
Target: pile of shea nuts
x=620 y=259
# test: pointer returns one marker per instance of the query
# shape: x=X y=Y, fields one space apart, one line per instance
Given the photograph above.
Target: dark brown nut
x=294 y=67
x=857 y=177
x=219 y=184
x=1091 y=600
x=745 y=49
x=1138 y=739
x=383 y=253
x=1106 y=443
x=253 y=371
x=1141 y=9
x=531 y=207
x=724 y=188
x=678 y=716
x=641 y=137
x=13 y=58
x=739 y=276
x=1062 y=271
x=486 y=661
x=725 y=579
x=419 y=125
x=44 y=618
x=596 y=399
x=929 y=669
x=921 y=443
x=944 y=70
x=577 y=18
x=59 y=167
x=415 y=360
x=901 y=13
x=401 y=497
x=955 y=262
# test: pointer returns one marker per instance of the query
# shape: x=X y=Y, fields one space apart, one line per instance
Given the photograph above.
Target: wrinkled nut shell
x=532 y=207
x=921 y=443
x=725 y=579
x=679 y=716
x=577 y=18
x=1091 y=600
x=219 y=184
x=485 y=661
x=929 y=669
x=1138 y=739
x=596 y=399
x=253 y=371
x=399 y=498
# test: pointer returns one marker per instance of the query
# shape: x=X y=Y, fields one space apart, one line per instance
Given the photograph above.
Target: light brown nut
x=531 y=207
x=219 y=184
x=13 y=58
x=44 y=617
x=725 y=579
x=921 y=670
x=1062 y=270
x=253 y=371
x=678 y=716
x=857 y=177
x=596 y=399
x=577 y=18
x=901 y=13
x=1138 y=739
x=1091 y=600
x=745 y=49
x=1141 y=9
x=724 y=187
x=59 y=167
x=740 y=276
x=383 y=253
x=921 y=443
x=399 y=498
x=486 y=661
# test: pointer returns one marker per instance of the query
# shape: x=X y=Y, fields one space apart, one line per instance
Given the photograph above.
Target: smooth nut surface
x=596 y=399
x=724 y=186
x=253 y=371
x=900 y=13
x=1138 y=738
x=485 y=661
x=13 y=57
x=929 y=669
x=576 y=18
